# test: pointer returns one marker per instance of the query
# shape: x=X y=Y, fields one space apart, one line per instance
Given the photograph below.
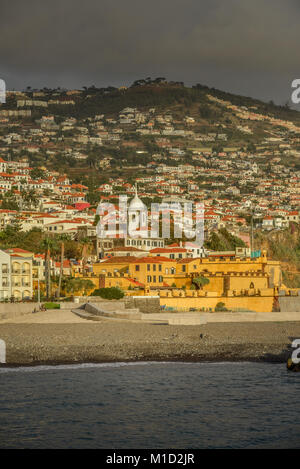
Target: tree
x=48 y=244
x=30 y=198
x=78 y=285
x=200 y=282
x=63 y=238
x=37 y=173
x=92 y=160
x=220 y=307
x=112 y=293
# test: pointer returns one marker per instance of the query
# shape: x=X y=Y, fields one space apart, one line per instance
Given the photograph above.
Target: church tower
x=137 y=217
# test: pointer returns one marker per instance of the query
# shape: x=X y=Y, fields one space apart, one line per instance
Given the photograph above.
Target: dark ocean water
x=150 y=405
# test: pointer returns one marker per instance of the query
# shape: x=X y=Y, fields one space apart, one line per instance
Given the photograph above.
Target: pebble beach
x=59 y=337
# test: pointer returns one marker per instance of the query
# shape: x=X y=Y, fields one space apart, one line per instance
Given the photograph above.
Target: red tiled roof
x=153 y=260
x=135 y=282
x=167 y=250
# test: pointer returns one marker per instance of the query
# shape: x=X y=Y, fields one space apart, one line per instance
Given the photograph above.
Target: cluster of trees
x=32 y=240
x=112 y=293
x=223 y=241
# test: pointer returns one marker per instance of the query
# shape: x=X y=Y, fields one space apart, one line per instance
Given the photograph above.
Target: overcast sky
x=250 y=47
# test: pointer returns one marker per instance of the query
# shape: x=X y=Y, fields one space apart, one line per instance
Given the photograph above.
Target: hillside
x=163 y=95
x=91 y=122
x=284 y=246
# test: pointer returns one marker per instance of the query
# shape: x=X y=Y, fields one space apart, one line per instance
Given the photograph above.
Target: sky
x=248 y=47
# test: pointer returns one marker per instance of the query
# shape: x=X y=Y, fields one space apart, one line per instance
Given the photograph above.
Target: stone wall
x=146 y=304
x=13 y=310
x=289 y=303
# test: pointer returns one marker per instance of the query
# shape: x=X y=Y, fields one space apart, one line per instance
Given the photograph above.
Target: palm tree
x=62 y=239
x=48 y=244
x=86 y=248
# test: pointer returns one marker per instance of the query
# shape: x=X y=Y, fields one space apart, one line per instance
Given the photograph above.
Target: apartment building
x=16 y=274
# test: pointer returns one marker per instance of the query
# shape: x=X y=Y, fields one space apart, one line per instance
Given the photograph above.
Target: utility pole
x=48 y=273
x=61 y=267
x=39 y=291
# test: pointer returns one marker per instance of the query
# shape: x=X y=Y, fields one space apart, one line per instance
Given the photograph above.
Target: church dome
x=136 y=203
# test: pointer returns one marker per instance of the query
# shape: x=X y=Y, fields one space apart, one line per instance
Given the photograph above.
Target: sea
x=150 y=405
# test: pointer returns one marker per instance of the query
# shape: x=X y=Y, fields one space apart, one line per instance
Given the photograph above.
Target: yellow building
x=131 y=271
x=190 y=283
x=230 y=275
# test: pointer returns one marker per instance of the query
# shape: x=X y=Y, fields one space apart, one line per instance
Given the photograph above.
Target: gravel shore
x=61 y=337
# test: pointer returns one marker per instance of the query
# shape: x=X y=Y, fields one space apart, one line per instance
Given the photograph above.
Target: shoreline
x=55 y=364
x=62 y=338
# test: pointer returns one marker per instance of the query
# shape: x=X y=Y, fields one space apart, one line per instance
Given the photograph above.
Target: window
x=154 y=278
x=149 y=278
x=183 y=268
x=148 y=267
x=137 y=268
x=154 y=268
x=160 y=279
x=159 y=267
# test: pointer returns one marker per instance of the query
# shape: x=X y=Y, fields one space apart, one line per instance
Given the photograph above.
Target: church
x=125 y=228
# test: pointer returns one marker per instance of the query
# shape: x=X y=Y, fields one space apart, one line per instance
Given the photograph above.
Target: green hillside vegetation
x=223 y=241
x=157 y=93
x=284 y=246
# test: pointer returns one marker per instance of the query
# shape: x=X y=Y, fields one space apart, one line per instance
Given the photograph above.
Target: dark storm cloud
x=246 y=46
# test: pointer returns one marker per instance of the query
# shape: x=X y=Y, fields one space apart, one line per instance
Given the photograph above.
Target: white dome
x=136 y=203
x=100 y=206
